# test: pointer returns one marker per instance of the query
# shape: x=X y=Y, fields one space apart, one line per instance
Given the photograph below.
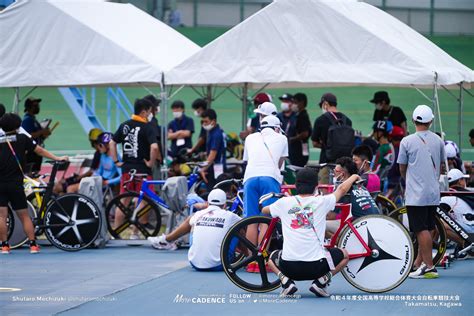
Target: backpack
x=341 y=138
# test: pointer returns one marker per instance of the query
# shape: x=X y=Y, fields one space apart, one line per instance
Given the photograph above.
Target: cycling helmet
x=262 y=97
x=384 y=126
x=94 y=134
x=232 y=138
x=397 y=131
x=450 y=142
x=450 y=151
x=104 y=138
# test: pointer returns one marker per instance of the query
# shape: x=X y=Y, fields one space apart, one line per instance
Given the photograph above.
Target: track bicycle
x=70 y=222
x=380 y=251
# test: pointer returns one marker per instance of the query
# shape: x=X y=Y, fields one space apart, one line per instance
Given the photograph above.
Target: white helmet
x=217 y=197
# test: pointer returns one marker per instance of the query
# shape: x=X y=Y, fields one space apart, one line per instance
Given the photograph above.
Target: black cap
x=153 y=100
x=328 y=97
x=380 y=96
x=307 y=177
x=30 y=101
x=286 y=97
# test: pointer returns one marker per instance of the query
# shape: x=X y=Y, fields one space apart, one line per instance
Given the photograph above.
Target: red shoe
x=5 y=250
x=34 y=249
x=252 y=266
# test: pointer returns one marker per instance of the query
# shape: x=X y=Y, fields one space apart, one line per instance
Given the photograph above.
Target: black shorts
x=421 y=217
x=306 y=270
x=13 y=193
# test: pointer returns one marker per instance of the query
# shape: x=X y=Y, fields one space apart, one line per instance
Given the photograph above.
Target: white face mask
x=149 y=117
x=284 y=106
x=323 y=109
x=196 y=113
x=378 y=106
x=208 y=127
x=177 y=114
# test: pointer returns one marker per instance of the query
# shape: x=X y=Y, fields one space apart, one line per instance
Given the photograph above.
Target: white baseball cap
x=270 y=121
x=266 y=108
x=217 y=197
x=450 y=150
x=455 y=175
x=423 y=114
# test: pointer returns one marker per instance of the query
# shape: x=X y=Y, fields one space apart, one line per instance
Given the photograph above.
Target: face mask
x=361 y=169
x=208 y=127
x=177 y=114
x=149 y=117
x=294 y=107
x=323 y=110
x=284 y=106
x=378 y=106
x=196 y=113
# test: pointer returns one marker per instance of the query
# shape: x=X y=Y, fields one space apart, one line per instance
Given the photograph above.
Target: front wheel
x=72 y=222
x=391 y=254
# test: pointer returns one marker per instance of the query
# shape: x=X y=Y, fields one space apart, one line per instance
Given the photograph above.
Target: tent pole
x=461 y=105
x=245 y=92
x=436 y=105
x=209 y=96
x=164 y=116
x=16 y=100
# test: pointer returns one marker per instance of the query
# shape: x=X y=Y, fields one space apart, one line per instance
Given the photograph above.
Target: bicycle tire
x=84 y=222
x=385 y=205
x=232 y=264
x=391 y=259
x=123 y=231
x=441 y=242
x=18 y=237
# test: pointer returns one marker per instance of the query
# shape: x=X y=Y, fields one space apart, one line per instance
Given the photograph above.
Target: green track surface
x=353 y=101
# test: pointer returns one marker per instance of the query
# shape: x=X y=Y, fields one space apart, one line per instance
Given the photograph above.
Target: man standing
x=180 y=130
x=420 y=158
x=34 y=128
x=386 y=112
x=215 y=148
x=298 y=148
x=155 y=108
x=287 y=118
x=199 y=106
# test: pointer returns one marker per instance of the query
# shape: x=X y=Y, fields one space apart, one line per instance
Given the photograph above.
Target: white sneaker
x=319 y=291
x=161 y=243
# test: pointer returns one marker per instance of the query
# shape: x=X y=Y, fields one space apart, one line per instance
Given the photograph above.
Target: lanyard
x=14 y=155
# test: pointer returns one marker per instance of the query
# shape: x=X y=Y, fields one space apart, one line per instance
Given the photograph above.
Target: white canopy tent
x=321 y=43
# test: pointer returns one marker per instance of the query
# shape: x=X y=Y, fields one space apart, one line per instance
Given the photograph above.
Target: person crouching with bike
x=303 y=220
x=13 y=148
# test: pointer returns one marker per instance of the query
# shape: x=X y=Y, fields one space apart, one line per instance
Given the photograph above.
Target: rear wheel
x=17 y=236
x=385 y=205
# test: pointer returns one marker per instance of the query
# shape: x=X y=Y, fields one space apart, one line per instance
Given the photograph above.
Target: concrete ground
x=125 y=280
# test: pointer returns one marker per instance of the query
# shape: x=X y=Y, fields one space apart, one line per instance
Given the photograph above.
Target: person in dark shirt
x=33 y=127
x=180 y=129
x=155 y=108
x=199 y=106
x=215 y=148
x=13 y=148
x=298 y=144
x=386 y=112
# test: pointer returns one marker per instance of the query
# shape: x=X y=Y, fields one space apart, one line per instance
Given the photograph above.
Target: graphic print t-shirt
x=300 y=242
x=136 y=138
x=209 y=228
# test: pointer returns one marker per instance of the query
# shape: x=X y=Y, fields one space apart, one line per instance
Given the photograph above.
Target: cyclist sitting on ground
x=71 y=184
x=362 y=156
x=303 y=220
x=209 y=227
x=109 y=172
x=13 y=148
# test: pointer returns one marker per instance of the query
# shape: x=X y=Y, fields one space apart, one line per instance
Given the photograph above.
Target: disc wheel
x=146 y=224
x=237 y=252
x=72 y=222
x=391 y=254
x=439 y=234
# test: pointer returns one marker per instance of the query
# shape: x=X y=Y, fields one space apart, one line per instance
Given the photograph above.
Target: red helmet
x=397 y=131
x=262 y=97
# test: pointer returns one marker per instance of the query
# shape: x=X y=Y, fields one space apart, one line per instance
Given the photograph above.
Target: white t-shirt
x=298 y=219
x=260 y=162
x=209 y=228
x=460 y=208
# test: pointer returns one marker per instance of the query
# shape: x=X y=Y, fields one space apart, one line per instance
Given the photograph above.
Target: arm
x=183 y=133
x=153 y=155
x=113 y=150
x=266 y=210
x=403 y=170
x=317 y=144
x=199 y=143
x=115 y=180
x=44 y=153
x=405 y=127
x=301 y=136
x=344 y=187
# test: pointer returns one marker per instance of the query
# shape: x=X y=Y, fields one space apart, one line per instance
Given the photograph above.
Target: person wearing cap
x=209 y=226
x=199 y=106
x=33 y=127
x=303 y=220
x=180 y=129
x=461 y=207
x=253 y=124
x=21 y=130
x=328 y=105
x=386 y=112
x=421 y=159
x=298 y=144
x=264 y=152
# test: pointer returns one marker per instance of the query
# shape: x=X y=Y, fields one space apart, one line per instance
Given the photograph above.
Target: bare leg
x=419 y=258
x=3 y=223
x=453 y=236
x=425 y=249
x=119 y=215
x=27 y=223
x=183 y=229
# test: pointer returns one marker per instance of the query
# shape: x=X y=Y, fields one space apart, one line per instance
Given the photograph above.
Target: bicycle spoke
x=61 y=216
x=142 y=229
x=236 y=266
x=65 y=229
x=143 y=211
x=122 y=227
x=263 y=272
x=125 y=210
x=247 y=243
x=77 y=233
x=74 y=210
x=85 y=221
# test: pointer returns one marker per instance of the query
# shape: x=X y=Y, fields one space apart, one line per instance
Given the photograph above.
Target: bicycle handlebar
x=237 y=182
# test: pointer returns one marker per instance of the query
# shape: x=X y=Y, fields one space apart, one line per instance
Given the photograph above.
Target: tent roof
x=320 y=43
x=74 y=42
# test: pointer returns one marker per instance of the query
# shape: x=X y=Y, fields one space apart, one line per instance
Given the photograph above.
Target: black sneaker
x=319 y=291
x=288 y=287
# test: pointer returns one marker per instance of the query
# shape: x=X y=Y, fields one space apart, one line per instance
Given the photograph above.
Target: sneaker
x=5 y=249
x=318 y=290
x=464 y=256
x=324 y=280
x=288 y=287
x=34 y=249
x=252 y=266
x=414 y=268
x=160 y=243
x=424 y=273
x=134 y=236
